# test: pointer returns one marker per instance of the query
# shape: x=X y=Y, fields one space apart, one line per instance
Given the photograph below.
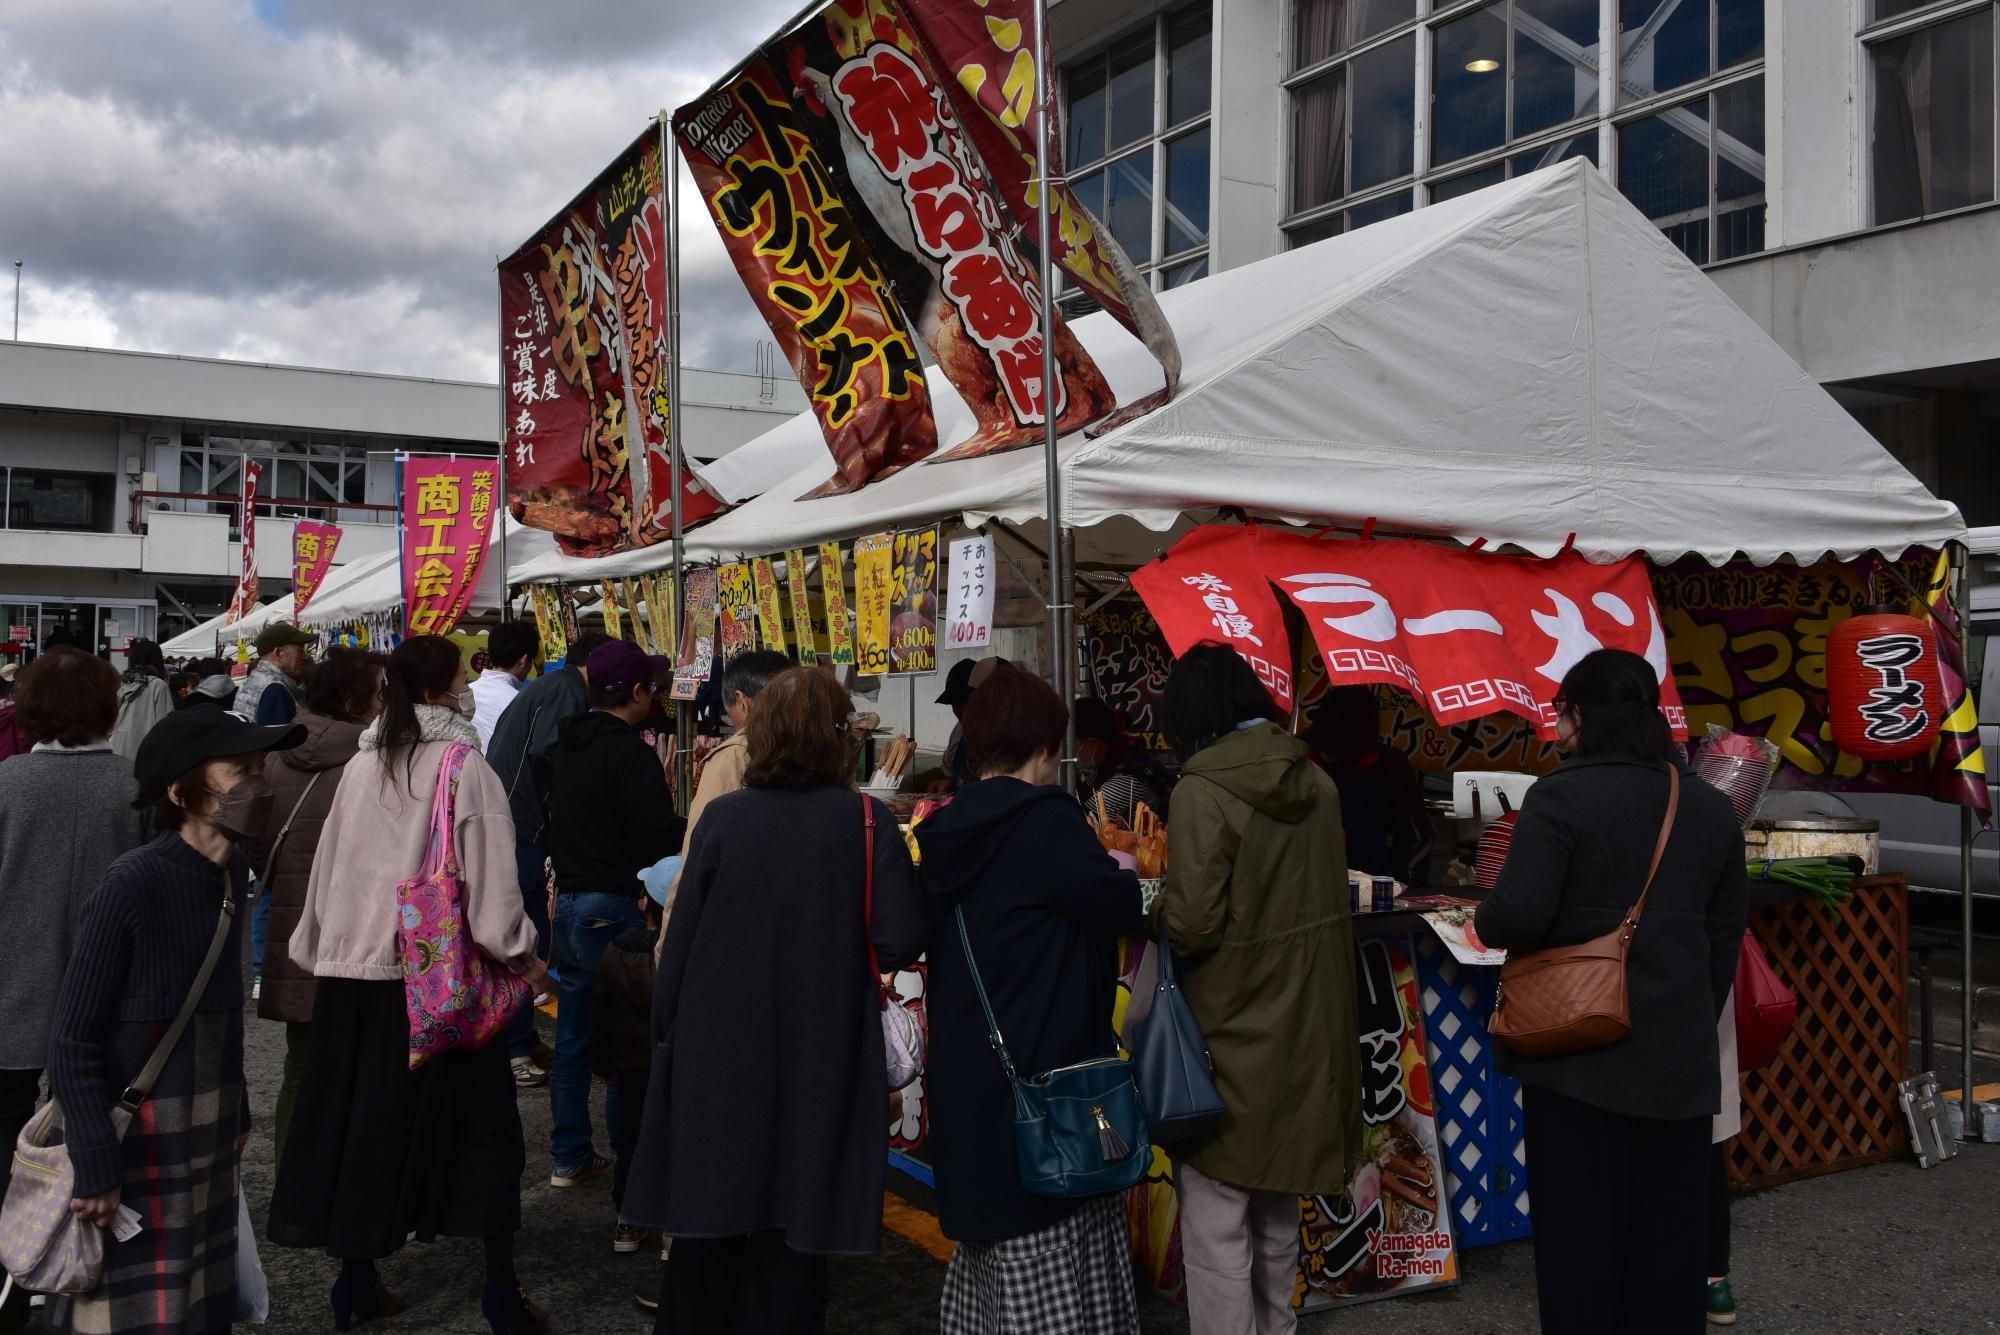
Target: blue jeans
x=529 y=866
x=586 y=923
x=260 y=928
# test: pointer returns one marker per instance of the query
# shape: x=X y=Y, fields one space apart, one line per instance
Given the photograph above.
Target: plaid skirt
x=1073 y=1278
x=177 y=1275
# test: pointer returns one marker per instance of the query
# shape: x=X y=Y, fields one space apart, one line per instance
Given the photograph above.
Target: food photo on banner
x=865 y=222
x=913 y=603
x=313 y=547
x=446 y=519
x=736 y=595
x=584 y=357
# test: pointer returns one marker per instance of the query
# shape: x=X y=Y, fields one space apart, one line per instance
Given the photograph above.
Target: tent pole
x=670 y=168
x=1062 y=603
x=1967 y=831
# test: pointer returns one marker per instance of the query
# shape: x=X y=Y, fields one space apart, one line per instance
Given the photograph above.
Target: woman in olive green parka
x=1256 y=908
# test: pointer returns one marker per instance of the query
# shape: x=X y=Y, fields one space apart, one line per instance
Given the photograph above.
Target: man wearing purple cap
x=610 y=817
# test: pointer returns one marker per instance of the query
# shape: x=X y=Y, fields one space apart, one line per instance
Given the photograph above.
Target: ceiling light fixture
x=1482 y=65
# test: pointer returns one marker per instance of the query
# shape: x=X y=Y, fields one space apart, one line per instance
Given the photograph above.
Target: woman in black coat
x=766 y=1133
x=1044 y=906
x=1618 y=1136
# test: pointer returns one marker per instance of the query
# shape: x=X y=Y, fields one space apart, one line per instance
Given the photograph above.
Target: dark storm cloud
x=329 y=181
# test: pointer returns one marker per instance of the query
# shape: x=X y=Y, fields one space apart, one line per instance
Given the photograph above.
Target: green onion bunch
x=1830 y=880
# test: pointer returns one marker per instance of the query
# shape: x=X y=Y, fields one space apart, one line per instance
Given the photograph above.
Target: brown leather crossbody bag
x=1574 y=998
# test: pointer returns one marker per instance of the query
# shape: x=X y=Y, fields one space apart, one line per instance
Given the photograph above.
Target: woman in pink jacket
x=378 y=1152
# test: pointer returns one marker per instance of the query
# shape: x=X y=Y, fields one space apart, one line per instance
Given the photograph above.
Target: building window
x=1697 y=170
x=1509 y=72
x=1664 y=45
x=312 y=477
x=1931 y=123
x=59 y=502
x=1138 y=145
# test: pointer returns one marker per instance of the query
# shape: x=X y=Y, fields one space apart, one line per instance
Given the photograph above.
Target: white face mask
x=468 y=703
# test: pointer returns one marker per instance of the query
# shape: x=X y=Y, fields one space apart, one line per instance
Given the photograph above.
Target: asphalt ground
x=1887 y=1248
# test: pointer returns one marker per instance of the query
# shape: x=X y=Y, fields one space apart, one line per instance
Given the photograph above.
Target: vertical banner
x=313 y=546
x=697 y=655
x=770 y=611
x=802 y=616
x=245 y=598
x=833 y=588
x=548 y=623
x=1393 y=1233
x=614 y=623
x=737 y=595
x=632 y=593
x=447 y=514
x=971 y=581
x=583 y=311
x=664 y=609
x=874 y=558
x=1129 y=661
x=913 y=603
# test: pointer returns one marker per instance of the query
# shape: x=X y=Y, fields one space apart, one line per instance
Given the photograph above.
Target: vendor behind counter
x=1381 y=802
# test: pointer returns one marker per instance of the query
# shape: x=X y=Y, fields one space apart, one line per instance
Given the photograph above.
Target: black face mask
x=245 y=809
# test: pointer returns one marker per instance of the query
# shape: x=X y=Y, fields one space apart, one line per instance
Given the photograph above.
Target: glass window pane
x=1548 y=155
x=1314 y=231
x=1128 y=203
x=190 y=471
x=1739 y=170
x=355 y=491
x=1085 y=83
x=1663 y=169
x=1888 y=9
x=1089 y=192
x=1319 y=141
x=1467 y=182
x=1188 y=50
x=1739 y=32
x=1187 y=191
x=1385 y=96
x=1662 y=44
x=1322 y=28
x=1555 y=63
x=1469 y=73
x=1176 y=274
x=1376 y=210
x=1932 y=139
x=1131 y=90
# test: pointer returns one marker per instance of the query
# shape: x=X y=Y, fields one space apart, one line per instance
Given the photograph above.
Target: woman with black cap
x=146 y=943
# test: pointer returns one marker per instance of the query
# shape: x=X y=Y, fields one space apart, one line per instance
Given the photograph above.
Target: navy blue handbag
x=1175 y=1076
x=1079 y=1130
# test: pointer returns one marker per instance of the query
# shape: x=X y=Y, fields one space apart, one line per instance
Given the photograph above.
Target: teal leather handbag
x=1079 y=1130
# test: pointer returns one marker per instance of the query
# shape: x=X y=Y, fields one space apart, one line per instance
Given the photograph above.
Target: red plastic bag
x=1765 y=1008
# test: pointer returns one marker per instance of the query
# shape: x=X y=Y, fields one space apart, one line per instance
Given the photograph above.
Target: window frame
x=1071 y=300
x=1873 y=33
x=1682 y=96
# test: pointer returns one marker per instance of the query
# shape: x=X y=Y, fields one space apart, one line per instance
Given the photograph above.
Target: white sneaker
x=257 y=988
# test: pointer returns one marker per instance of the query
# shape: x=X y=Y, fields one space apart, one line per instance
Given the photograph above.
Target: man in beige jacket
x=743 y=679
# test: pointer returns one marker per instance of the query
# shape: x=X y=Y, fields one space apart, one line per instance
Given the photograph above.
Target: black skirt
x=377 y=1152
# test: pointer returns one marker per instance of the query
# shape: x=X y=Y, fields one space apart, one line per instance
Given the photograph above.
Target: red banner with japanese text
x=245 y=598
x=313 y=546
x=1466 y=633
x=585 y=366
x=863 y=221
x=447 y=517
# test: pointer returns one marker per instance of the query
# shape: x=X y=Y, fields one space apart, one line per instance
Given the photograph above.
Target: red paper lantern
x=1883 y=687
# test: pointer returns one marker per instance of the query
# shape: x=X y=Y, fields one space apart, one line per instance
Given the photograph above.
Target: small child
x=621 y=1041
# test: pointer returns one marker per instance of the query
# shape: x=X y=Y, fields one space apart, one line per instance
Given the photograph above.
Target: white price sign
x=970 y=586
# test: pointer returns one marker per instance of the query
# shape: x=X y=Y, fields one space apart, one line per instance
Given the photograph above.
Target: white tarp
x=1527 y=362
x=201 y=641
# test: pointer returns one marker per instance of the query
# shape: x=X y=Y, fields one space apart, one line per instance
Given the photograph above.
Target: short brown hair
x=346 y=685
x=67 y=697
x=800 y=737
x=197 y=788
x=1012 y=718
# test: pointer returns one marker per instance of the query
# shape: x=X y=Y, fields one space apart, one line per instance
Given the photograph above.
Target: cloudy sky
x=329 y=182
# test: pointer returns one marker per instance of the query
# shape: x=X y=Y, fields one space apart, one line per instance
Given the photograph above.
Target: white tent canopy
x=203 y=638
x=1527 y=362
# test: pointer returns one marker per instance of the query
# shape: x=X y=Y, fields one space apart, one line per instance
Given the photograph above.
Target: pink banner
x=447 y=516
x=313 y=546
x=245 y=597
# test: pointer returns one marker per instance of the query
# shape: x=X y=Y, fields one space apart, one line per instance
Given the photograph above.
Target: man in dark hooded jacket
x=610 y=817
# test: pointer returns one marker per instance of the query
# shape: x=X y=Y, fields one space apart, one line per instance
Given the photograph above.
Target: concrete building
x=121 y=473
x=1830 y=162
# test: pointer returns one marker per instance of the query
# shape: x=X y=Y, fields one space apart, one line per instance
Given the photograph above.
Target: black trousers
x=631 y=1108
x=20 y=1092
x=741 y=1286
x=1621 y=1214
x=1718 y=1210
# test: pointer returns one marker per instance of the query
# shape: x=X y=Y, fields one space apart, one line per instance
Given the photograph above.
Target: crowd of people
x=724 y=968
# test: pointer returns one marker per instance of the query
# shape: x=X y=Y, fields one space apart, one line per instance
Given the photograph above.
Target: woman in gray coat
x=65 y=815
x=1618 y=1135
